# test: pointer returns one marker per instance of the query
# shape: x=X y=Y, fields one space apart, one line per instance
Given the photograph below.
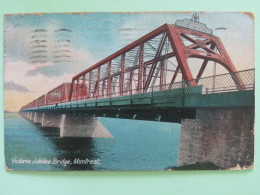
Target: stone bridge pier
x=70 y=125
x=223 y=136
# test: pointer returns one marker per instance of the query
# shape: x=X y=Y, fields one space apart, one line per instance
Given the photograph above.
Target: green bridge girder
x=169 y=105
x=190 y=97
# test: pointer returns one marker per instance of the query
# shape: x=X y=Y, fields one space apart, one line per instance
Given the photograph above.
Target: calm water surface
x=136 y=145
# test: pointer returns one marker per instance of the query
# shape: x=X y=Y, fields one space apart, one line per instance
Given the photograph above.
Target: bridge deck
x=177 y=98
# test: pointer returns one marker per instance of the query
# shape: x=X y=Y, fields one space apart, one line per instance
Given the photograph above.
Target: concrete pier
x=26 y=115
x=37 y=118
x=82 y=126
x=31 y=116
x=51 y=120
x=70 y=125
x=223 y=136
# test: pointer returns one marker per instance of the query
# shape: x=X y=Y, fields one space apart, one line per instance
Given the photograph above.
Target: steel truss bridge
x=151 y=79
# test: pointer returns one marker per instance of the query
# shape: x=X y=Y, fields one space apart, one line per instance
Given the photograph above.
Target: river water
x=136 y=145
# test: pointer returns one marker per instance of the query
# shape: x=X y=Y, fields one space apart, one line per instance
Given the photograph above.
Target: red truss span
x=160 y=58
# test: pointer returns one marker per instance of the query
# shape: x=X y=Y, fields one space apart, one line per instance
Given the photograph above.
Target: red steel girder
x=140 y=68
x=176 y=44
x=169 y=55
x=209 y=54
x=174 y=77
x=122 y=73
x=41 y=101
x=90 y=83
x=97 y=87
x=154 y=65
x=162 y=76
x=204 y=64
x=58 y=94
x=109 y=79
x=131 y=82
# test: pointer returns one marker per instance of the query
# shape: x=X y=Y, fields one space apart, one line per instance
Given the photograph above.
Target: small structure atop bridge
x=194 y=24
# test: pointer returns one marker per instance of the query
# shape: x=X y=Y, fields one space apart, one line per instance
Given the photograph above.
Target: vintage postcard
x=129 y=91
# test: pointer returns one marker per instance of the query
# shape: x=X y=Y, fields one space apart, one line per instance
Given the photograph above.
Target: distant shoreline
x=6 y=111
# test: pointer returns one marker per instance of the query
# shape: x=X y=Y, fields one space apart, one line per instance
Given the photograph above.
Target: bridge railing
x=212 y=84
x=226 y=83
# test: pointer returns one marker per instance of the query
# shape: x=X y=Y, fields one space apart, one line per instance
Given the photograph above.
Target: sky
x=90 y=37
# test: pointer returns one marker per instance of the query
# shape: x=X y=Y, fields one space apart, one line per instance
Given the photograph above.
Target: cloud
x=12 y=86
x=17 y=72
x=135 y=28
x=16 y=41
x=78 y=61
x=57 y=60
